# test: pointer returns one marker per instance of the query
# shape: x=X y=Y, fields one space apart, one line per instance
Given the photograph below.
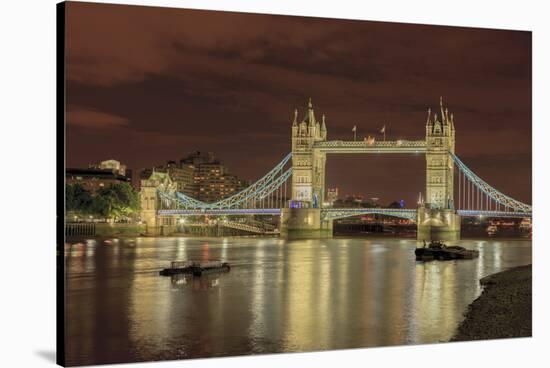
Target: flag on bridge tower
x=354 y=130
x=420 y=199
x=383 y=131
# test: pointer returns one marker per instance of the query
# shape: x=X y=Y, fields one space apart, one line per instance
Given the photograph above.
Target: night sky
x=146 y=85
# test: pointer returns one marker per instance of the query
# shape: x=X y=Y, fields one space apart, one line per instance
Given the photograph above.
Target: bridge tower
x=437 y=218
x=303 y=217
x=308 y=175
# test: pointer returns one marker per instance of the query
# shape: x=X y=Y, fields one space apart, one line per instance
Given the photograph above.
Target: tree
x=101 y=205
x=129 y=199
x=116 y=201
x=77 y=198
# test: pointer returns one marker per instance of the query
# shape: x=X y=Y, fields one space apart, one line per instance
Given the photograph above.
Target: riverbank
x=503 y=310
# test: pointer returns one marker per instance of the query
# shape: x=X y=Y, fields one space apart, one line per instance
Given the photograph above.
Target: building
x=213 y=181
x=112 y=165
x=150 y=202
x=201 y=176
x=332 y=196
x=182 y=176
x=93 y=179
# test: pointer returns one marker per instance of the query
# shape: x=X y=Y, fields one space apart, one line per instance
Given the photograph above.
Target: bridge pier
x=437 y=224
x=304 y=223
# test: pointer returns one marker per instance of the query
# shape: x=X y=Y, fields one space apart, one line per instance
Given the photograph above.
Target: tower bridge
x=295 y=187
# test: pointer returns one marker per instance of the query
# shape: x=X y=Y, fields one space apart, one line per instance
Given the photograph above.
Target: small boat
x=440 y=251
x=195 y=268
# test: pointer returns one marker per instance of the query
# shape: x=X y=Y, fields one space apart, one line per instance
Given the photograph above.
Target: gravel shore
x=503 y=310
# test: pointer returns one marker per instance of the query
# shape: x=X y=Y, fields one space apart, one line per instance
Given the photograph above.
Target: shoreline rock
x=503 y=310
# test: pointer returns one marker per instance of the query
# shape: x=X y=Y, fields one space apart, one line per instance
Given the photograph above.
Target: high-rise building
x=201 y=176
x=183 y=176
x=212 y=179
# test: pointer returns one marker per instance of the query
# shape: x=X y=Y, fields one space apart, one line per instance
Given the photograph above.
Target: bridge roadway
x=338 y=213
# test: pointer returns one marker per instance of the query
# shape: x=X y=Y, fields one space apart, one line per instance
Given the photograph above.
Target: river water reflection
x=280 y=296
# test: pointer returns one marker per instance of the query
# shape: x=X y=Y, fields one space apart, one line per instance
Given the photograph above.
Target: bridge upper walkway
x=400 y=146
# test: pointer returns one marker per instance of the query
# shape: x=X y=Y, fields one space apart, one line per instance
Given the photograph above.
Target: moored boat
x=194 y=267
x=440 y=251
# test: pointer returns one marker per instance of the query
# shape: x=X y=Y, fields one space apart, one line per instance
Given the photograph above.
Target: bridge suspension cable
x=474 y=194
x=270 y=191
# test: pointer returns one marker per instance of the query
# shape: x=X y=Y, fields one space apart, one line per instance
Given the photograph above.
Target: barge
x=440 y=251
x=194 y=268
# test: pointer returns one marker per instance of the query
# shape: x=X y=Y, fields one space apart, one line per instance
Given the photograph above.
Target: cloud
x=193 y=80
x=89 y=118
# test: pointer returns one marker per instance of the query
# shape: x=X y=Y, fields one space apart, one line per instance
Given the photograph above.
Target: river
x=280 y=295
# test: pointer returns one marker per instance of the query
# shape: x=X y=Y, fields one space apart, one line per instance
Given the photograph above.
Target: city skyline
x=189 y=81
x=136 y=175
